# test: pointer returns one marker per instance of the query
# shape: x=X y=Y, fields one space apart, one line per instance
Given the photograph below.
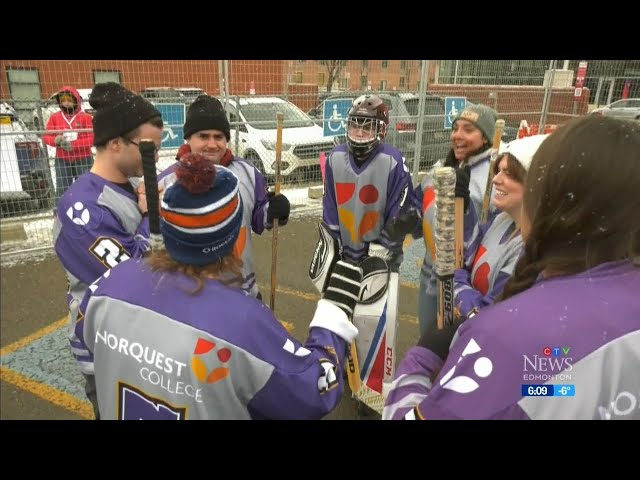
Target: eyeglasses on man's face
x=156 y=149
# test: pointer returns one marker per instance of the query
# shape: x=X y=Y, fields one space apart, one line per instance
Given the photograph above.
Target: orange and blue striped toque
x=201 y=213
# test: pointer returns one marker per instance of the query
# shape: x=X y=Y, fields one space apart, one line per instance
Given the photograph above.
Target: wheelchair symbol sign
x=453 y=106
x=173 y=115
x=334 y=116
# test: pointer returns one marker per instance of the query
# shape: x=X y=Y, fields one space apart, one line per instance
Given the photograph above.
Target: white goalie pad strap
x=325 y=256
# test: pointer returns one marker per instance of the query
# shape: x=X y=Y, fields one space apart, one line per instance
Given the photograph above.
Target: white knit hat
x=523 y=149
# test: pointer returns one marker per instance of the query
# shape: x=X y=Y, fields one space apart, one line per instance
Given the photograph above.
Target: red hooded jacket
x=81 y=141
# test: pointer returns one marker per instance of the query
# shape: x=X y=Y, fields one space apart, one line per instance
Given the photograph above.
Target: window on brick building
x=104 y=76
x=24 y=88
x=297 y=77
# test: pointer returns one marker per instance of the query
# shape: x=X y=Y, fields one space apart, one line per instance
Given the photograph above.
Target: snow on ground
x=38 y=227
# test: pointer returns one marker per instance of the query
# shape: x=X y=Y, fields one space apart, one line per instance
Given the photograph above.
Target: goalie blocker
x=375 y=314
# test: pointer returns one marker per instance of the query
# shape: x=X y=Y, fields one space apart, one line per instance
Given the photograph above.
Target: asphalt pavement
x=39 y=379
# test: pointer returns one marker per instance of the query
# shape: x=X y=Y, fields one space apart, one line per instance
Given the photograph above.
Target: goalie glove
x=343 y=289
x=325 y=256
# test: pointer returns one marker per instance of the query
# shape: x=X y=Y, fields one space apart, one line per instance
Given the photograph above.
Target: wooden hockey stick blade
x=353 y=369
x=459 y=231
x=274 y=243
x=486 y=200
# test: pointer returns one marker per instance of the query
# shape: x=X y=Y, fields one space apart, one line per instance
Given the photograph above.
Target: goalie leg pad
x=325 y=256
x=376 y=341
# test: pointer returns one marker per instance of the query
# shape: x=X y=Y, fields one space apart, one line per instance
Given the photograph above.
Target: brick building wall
x=269 y=77
x=517 y=103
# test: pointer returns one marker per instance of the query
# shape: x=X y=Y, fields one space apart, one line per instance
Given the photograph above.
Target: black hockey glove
x=344 y=286
x=279 y=208
x=439 y=341
x=407 y=223
x=463 y=178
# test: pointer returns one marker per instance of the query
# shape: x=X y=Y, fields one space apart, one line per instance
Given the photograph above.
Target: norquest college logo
x=552 y=363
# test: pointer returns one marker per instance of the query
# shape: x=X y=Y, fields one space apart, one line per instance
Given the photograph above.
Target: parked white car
x=51 y=106
x=253 y=136
x=26 y=183
x=628 y=108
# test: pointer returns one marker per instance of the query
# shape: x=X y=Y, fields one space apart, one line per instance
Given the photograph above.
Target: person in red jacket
x=73 y=147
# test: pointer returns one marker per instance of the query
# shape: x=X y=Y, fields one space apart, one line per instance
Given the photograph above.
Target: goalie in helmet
x=367 y=212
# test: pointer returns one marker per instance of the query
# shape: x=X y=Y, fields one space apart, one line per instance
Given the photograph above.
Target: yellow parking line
x=48 y=393
x=314 y=297
x=83 y=408
x=33 y=337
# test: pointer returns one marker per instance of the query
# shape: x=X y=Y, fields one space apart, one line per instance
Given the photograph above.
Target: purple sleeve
x=259 y=217
x=468 y=298
x=81 y=352
x=399 y=200
x=143 y=228
x=480 y=379
x=87 y=251
x=399 y=191
x=412 y=383
x=306 y=382
x=329 y=202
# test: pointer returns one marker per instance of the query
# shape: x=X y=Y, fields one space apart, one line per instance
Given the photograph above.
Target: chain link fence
x=314 y=95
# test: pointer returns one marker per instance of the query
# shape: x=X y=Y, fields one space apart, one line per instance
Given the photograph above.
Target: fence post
x=547 y=96
x=422 y=93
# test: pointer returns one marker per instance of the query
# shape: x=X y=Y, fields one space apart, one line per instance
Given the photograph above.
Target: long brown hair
x=581 y=197
x=227 y=270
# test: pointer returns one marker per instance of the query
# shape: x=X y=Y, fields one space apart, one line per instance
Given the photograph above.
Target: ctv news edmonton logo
x=552 y=363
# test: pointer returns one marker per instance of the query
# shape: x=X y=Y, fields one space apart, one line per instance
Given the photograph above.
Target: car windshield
x=192 y=93
x=263 y=115
x=432 y=106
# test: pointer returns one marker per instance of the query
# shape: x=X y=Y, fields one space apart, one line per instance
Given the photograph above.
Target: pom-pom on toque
x=184 y=149
x=201 y=212
x=195 y=173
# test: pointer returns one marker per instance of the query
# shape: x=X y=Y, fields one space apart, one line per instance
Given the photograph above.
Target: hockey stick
x=148 y=153
x=274 y=244
x=353 y=369
x=486 y=200
x=445 y=236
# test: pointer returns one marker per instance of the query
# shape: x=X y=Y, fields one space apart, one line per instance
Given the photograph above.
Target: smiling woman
x=495 y=247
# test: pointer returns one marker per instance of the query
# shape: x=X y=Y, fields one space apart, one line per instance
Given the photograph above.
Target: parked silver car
x=628 y=108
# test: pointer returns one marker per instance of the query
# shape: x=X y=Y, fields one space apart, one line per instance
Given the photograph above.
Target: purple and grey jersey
x=158 y=351
x=580 y=331
x=98 y=225
x=255 y=202
x=360 y=201
x=490 y=259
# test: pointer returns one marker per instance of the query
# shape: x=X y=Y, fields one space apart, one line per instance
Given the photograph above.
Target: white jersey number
x=109 y=251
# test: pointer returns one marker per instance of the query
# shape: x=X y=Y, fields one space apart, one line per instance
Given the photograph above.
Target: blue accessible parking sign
x=334 y=116
x=173 y=115
x=453 y=106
